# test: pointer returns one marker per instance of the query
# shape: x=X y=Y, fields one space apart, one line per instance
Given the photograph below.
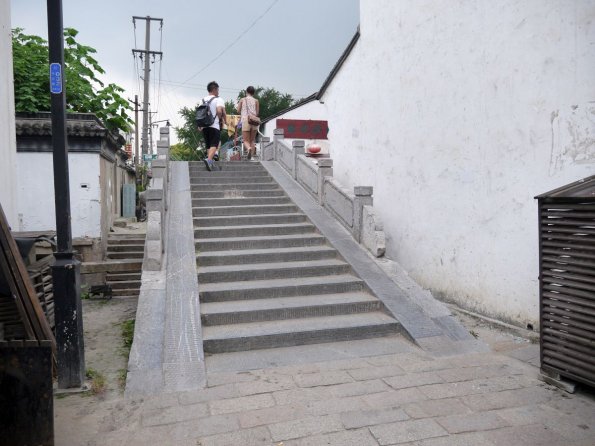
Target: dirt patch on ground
x=78 y=417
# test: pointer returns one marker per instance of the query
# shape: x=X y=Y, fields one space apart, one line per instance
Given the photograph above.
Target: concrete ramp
x=167 y=354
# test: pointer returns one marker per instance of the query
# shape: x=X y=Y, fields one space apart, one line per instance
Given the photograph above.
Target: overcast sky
x=292 y=47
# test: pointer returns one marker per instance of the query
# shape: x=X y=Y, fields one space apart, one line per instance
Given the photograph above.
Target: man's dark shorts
x=212 y=136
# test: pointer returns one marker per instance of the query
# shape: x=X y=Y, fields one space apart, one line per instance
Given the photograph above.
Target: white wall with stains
x=459 y=112
x=36 y=209
x=8 y=151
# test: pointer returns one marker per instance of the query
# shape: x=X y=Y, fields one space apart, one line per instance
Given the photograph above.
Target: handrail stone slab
x=285 y=156
x=339 y=202
x=307 y=175
x=316 y=177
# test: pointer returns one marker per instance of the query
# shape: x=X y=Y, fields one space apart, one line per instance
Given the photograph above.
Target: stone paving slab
x=309 y=404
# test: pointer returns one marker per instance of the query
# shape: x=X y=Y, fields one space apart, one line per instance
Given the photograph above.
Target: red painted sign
x=303 y=129
x=128 y=149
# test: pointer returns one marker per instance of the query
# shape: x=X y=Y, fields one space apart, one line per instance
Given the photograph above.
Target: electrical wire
x=236 y=40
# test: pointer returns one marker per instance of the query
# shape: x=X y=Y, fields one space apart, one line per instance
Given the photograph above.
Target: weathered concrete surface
x=372 y=232
x=369 y=393
x=166 y=354
x=183 y=365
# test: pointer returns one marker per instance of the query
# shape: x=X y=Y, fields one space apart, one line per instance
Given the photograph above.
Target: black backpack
x=204 y=117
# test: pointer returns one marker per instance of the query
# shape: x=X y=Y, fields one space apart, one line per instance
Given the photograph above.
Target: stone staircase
x=125 y=247
x=266 y=277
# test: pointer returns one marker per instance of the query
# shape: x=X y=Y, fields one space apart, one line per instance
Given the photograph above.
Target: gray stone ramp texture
x=428 y=326
x=167 y=353
x=267 y=277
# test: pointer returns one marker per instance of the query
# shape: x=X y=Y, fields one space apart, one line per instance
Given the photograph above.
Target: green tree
x=85 y=92
x=181 y=152
x=189 y=137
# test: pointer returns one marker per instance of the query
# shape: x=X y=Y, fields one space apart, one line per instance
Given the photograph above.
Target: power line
x=233 y=42
x=177 y=84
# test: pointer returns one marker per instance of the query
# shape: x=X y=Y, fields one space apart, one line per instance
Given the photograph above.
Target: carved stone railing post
x=162 y=148
x=155 y=225
x=164 y=136
x=325 y=169
x=278 y=134
x=160 y=166
x=267 y=151
x=299 y=148
x=156 y=202
x=363 y=197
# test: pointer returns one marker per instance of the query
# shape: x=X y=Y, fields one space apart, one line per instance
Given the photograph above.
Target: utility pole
x=146 y=77
x=66 y=269
x=150 y=134
x=136 y=154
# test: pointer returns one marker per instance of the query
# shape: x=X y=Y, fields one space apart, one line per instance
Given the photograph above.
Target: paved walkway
x=405 y=397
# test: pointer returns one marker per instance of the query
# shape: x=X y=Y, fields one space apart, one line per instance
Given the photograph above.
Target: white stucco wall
x=36 y=209
x=8 y=152
x=459 y=112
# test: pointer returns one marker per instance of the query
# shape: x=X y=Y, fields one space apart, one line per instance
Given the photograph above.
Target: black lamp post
x=66 y=269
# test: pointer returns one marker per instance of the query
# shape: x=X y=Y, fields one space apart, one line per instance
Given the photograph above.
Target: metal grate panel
x=567 y=287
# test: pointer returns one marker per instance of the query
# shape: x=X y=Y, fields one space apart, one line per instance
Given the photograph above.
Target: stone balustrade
x=156 y=198
x=353 y=209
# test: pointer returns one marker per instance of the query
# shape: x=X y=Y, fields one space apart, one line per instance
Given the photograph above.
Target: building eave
x=78 y=125
x=338 y=65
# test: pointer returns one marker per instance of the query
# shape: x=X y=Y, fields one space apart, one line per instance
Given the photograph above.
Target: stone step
x=122 y=277
x=265 y=255
x=246 y=220
x=229 y=178
x=253 y=230
x=216 y=202
x=197 y=173
x=261 y=335
x=125 y=247
x=244 y=210
x=125 y=241
x=126 y=285
x=112 y=266
x=125 y=255
x=262 y=242
x=238 y=193
x=126 y=292
x=268 y=271
x=245 y=311
x=124 y=235
x=264 y=289
x=232 y=187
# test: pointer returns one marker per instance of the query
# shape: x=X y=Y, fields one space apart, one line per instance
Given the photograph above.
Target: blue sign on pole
x=55 y=78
